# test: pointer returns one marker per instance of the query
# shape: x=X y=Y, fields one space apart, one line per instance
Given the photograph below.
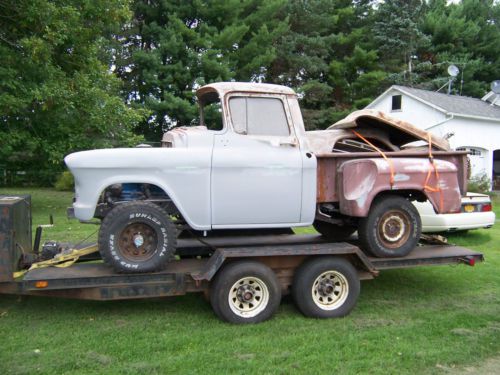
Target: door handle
x=292 y=143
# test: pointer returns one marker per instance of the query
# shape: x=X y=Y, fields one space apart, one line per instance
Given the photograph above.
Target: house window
x=396 y=103
x=258 y=116
x=470 y=150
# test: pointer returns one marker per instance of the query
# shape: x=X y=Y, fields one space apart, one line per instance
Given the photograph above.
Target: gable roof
x=462 y=106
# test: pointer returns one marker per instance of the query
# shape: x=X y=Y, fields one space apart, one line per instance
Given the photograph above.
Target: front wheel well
x=119 y=193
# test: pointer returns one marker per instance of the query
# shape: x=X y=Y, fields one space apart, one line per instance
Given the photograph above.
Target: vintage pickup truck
x=251 y=164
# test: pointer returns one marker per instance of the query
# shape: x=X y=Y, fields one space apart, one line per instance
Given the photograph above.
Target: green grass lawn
x=435 y=320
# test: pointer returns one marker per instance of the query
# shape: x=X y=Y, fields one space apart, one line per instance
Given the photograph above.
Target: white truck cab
x=247 y=166
x=263 y=173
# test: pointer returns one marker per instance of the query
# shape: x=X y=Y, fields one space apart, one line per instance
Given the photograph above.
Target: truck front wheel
x=326 y=287
x=137 y=237
x=245 y=292
x=391 y=229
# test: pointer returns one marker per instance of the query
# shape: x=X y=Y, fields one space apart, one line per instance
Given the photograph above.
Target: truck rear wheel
x=326 y=287
x=333 y=231
x=391 y=229
x=245 y=292
x=137 y=237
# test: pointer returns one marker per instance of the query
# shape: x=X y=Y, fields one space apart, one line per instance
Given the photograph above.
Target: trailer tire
x=391 y=229
x=245 y=292
x=333 y=231
x=326 y=287
x=137 y=237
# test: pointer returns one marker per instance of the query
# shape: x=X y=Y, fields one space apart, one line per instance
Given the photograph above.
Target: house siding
x=412 y=110
x=478 y=134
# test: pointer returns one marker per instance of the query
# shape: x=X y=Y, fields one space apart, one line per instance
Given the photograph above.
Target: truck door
x=256 y=165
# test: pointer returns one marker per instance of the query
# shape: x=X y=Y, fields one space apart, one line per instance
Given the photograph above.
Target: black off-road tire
x=241 y=279
x=333 y=231
x=391 y=229
x=326 y=287
x=129 y=224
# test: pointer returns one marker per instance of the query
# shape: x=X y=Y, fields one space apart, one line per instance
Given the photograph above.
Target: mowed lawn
x=436 y=320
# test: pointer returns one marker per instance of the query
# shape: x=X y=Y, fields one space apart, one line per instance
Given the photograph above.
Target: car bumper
x=457 y=222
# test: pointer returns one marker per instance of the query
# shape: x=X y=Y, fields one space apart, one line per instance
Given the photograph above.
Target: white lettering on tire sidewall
x=146 y=218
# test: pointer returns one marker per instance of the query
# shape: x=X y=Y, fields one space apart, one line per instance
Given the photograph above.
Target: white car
x=476 y=213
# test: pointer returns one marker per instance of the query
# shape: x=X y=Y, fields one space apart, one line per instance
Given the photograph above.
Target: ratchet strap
x=62 y=260
x=427 y=187
x=389 y=161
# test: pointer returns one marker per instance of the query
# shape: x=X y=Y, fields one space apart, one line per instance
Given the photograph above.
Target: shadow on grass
x=194 y=305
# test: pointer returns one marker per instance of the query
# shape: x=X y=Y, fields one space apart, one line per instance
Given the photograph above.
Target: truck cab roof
x=223 y=88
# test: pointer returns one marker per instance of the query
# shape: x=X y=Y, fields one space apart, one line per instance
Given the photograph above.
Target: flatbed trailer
x=244 y=277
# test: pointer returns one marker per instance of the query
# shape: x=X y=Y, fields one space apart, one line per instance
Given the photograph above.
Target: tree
x=57 y=94
x=173 y=47
x=399 y=37
x=328 y=56
x=466 y=34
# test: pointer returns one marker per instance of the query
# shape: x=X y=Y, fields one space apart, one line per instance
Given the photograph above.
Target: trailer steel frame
x=282 y=253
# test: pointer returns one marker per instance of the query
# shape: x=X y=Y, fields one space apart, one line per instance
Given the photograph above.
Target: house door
x=496 y=170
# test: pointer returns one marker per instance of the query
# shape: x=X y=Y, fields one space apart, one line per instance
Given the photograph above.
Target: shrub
x=65 y=182
x=479 y=184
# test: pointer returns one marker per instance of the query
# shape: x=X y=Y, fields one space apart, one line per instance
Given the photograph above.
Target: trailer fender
x=221 y=255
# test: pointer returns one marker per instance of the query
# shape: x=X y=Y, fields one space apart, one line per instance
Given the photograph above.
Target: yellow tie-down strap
x=64 y=259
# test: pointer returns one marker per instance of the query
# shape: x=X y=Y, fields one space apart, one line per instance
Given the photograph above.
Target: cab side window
x=258 y=116
x=211 y=111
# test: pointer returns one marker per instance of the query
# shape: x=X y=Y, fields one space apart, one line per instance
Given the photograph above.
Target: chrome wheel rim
x=330 y=290
x=248 y=297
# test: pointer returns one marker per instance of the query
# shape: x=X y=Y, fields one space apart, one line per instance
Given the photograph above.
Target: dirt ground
x=491 y=366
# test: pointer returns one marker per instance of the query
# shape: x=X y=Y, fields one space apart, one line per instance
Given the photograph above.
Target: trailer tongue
x=243 y=276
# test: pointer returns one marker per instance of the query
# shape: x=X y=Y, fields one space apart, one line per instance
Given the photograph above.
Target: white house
x=471 y=124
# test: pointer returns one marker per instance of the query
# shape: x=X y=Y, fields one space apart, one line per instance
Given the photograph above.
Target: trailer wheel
x=333 y=231
x=245 y=292
x=391 y=229
x=137 y=237
x=326 y=287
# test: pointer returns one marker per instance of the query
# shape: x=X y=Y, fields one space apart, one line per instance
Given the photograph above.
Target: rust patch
x=326 y=180
x=410 y=175
x=354 y=172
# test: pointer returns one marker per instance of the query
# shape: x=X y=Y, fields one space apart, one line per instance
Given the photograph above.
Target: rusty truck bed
x=328 y=164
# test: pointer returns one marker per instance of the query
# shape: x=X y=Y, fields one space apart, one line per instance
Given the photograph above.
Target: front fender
x=184 y=175
x=360 y=181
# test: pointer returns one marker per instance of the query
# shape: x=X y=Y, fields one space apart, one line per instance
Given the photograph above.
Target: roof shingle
x=460 y=105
